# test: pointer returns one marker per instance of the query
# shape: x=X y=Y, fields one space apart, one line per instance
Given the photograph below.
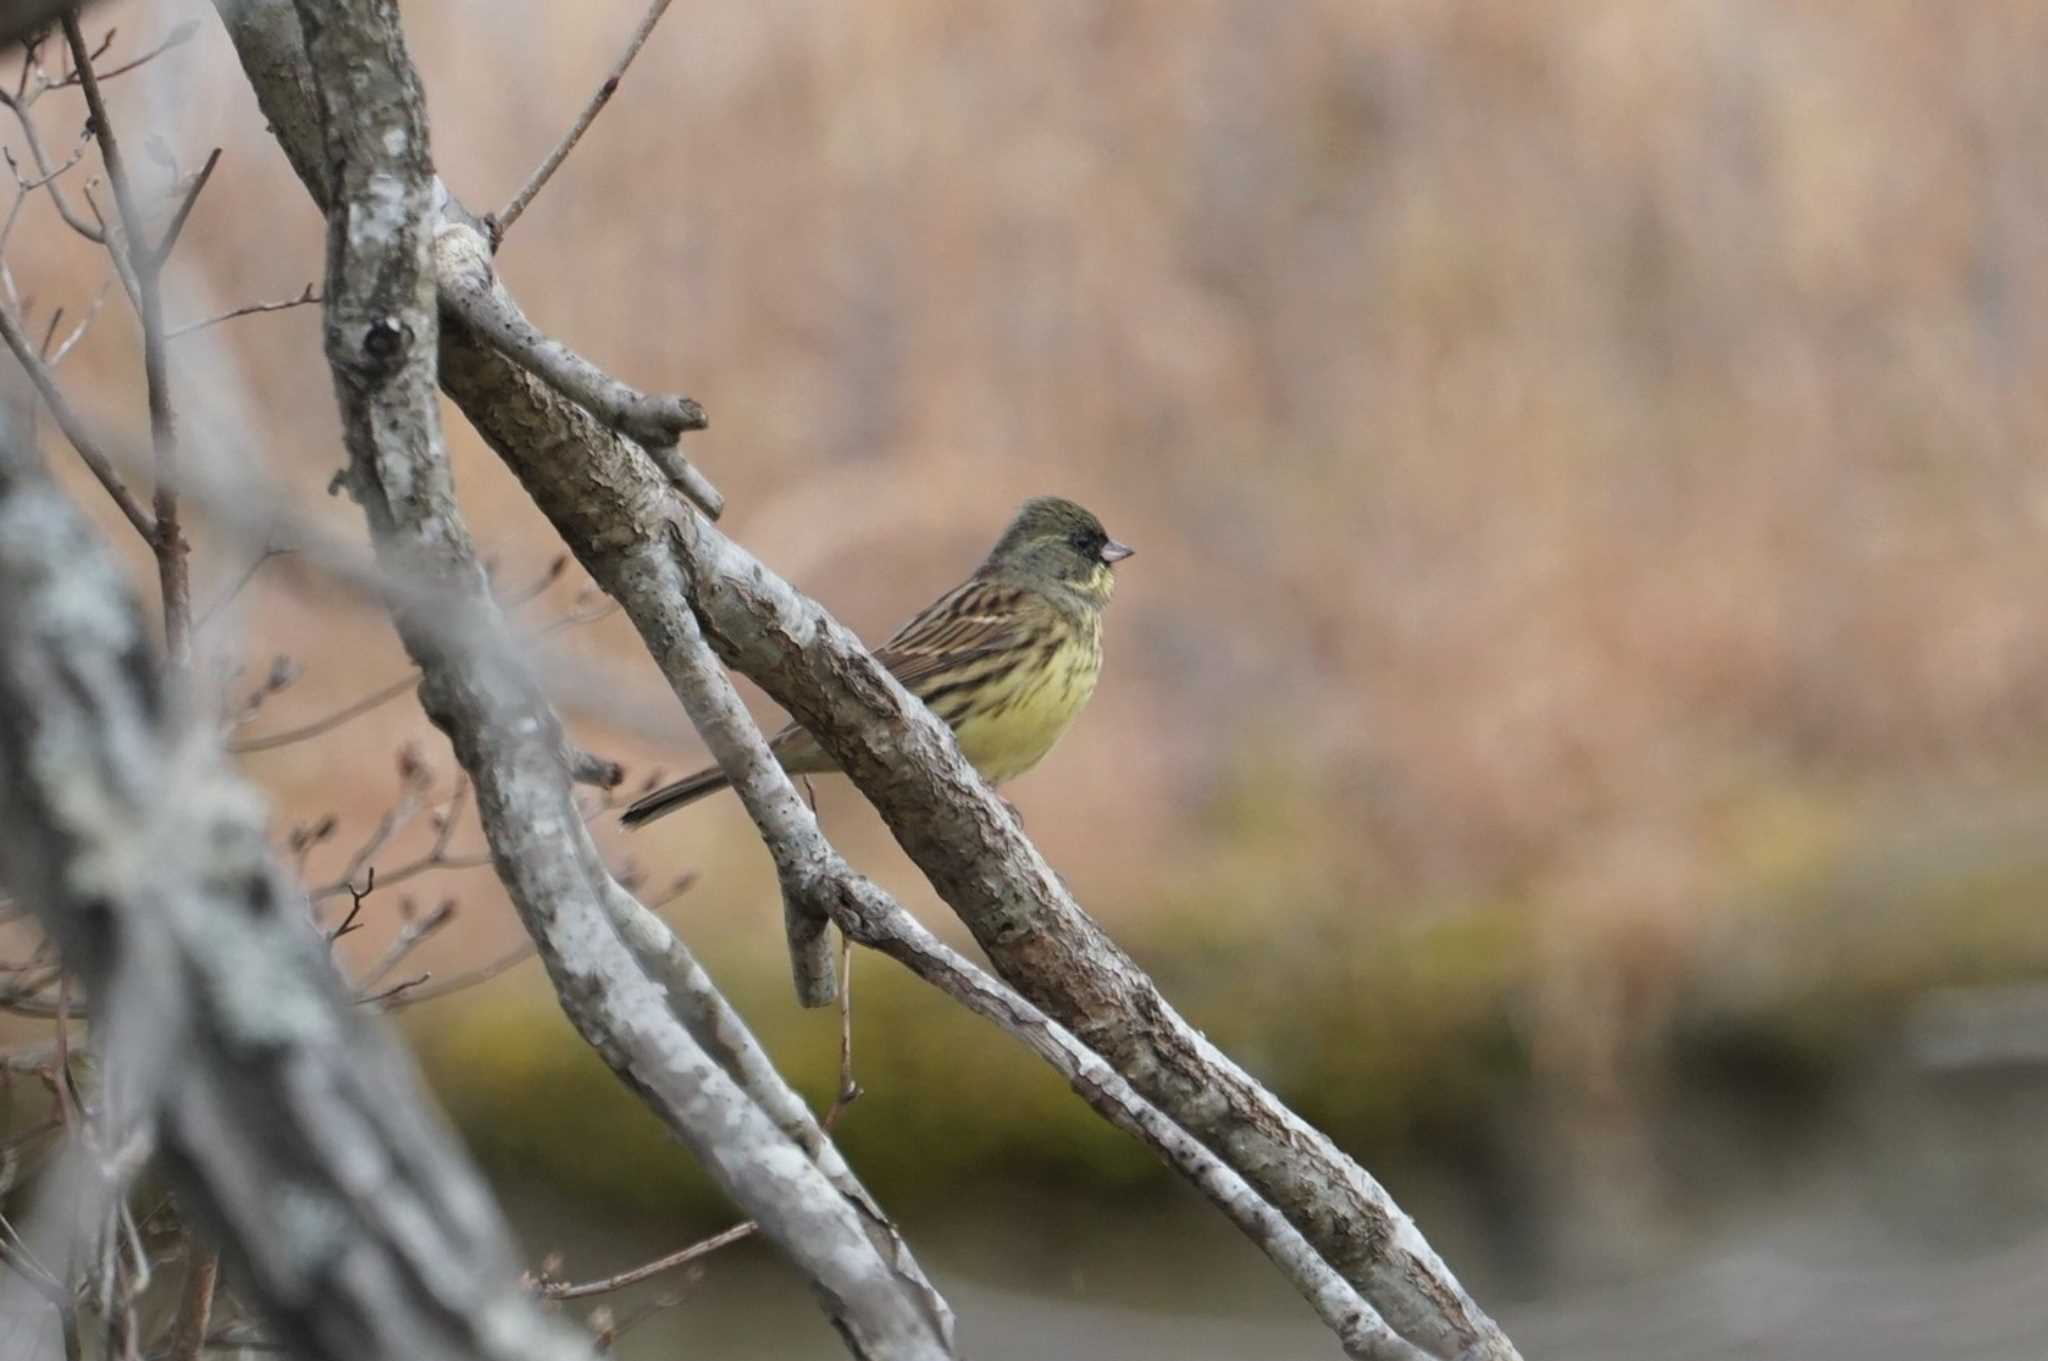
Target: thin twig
x=394 y=819
x=379 y=998
x=355 y=907
x=454 y=983
x=28 y=183
x=410 y=870
x=435 y=857
x=92 y=312
x=501 y=221
x=562 y=1290
x=14 y=208
x=272 y=741
x=406 y=941
x=849 y=1090
x=307 y=296
x=71 y=77
x=73 y=427
x=96 y=235
x=176 y=37
x=161 y=251
x=110 y=146
x=146 y=262
x=227 y=597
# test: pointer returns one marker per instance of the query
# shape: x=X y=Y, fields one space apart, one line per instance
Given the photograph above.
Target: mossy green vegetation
x=1414 y=1034
x=947 y=1101
x=950 y=1104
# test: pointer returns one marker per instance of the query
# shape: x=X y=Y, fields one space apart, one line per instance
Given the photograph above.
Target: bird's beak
x=1116 y=552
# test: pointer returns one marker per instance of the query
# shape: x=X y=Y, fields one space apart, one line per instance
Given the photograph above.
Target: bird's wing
x=973 y=620
x=931 y=655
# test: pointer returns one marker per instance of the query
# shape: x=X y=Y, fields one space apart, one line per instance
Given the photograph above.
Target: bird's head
x=1054 y=543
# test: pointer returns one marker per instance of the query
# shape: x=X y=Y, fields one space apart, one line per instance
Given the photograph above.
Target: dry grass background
x=1584 y=461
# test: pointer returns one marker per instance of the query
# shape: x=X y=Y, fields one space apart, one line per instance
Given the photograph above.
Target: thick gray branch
x=381 y=341
x=628 y=535
x=656 y=423
x=287 y=1115
x=813 y=872
x=269 y=39
x=614 y=512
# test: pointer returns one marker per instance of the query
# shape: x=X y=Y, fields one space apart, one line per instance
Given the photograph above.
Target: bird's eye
x=1084 y=542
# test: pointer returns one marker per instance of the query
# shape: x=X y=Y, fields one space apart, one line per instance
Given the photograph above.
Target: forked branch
x=381 y=345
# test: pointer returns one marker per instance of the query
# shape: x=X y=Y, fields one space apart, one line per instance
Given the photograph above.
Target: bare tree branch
x=168 y=242
x=461 y=982
x=849 y=1090
x=92 y=312
x=871 y=917
x=406 y=941
x=47 y=174
x=145 y=261
x=655 y=423
x=621 y=522
x=327 y=723
x=270 y=44
x=24 y=185
x=309 y=296
x=179 y=35
x=146 y=859
x=381 y=344
x=564 y=1290
x=957 y=832
x=230 y=594
x=501 y=221
x=73 y=426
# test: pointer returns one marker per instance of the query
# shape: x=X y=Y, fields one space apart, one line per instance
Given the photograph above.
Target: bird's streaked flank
x=1007 y=658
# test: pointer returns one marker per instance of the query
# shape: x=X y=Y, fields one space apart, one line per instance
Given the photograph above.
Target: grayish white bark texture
x=815 y=875
x=662 y=562
x=287 y=1116
x=673 y=573
x=750 y=1132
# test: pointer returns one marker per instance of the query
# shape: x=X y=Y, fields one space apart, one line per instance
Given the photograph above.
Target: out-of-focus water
x=1913 y=1226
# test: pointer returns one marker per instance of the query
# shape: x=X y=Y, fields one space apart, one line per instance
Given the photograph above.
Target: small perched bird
x=1007 y=658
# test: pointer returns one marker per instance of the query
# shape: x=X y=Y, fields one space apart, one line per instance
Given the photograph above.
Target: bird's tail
x=670 y=797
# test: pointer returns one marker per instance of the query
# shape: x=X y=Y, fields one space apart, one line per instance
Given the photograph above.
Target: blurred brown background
x=1581 y=685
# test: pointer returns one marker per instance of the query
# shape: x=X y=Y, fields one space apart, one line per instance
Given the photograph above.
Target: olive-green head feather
x=1052 y=543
